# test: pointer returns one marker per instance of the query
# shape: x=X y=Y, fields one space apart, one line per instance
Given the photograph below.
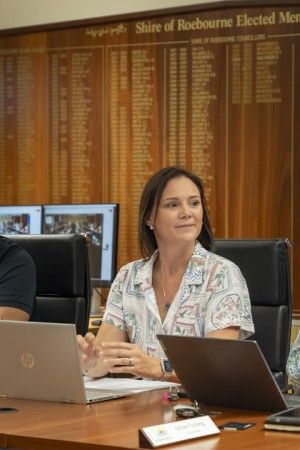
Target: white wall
x=22 y=13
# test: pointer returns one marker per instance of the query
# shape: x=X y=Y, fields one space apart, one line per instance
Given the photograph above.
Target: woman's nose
x=185 y=211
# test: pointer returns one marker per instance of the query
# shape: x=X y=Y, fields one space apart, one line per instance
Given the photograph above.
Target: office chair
x=63 y=280
x=265 y=266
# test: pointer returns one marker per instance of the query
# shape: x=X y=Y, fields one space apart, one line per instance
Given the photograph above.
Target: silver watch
x=166 y=366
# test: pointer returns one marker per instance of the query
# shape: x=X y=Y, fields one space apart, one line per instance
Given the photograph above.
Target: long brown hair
x=150 y=198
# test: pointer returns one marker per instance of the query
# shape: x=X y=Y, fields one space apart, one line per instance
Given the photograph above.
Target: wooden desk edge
x=35 y=443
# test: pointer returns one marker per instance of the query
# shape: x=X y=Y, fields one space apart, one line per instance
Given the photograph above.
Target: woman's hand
x=90 y=346
x=89 y=352
x=124 y=357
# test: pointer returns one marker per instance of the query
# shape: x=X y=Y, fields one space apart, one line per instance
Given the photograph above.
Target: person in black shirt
x=17 y=282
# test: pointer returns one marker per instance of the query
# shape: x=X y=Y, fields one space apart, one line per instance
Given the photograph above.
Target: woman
x=179 y=288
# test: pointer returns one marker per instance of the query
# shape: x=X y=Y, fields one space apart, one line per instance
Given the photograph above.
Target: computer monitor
x=21 y=219
x=99 y=224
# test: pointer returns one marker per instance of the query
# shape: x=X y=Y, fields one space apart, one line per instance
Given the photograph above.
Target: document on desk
x=132 y=385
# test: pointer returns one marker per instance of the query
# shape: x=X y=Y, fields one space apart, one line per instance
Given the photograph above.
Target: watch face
x=167 y=366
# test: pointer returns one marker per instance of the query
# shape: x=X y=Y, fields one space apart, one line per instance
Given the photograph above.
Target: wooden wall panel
x=23 y=119
x=89 y=112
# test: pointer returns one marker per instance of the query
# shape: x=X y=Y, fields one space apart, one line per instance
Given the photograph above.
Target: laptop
x=40 y=361
x=229 y=373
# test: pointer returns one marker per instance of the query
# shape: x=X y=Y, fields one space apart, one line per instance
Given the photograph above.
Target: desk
x=114 y=424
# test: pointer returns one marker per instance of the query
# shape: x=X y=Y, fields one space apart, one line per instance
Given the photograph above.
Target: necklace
x=166 y=303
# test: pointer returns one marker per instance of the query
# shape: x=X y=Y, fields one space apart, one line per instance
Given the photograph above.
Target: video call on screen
x=97 y=222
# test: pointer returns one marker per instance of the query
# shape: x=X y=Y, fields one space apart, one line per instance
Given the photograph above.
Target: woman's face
x=179 y=213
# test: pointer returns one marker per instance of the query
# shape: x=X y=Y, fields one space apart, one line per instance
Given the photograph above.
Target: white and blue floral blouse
x=213 y=295
x=293 y=365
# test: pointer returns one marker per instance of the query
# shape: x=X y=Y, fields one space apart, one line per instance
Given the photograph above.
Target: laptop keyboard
x=292 y=400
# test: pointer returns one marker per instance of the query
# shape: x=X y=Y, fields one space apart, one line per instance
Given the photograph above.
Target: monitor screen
x=21 y=219
x=99 y=224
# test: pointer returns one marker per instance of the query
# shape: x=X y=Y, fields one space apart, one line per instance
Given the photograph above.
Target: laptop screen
x=230 y=373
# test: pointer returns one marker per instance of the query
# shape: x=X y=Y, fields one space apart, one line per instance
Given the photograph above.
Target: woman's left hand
x=123 y=357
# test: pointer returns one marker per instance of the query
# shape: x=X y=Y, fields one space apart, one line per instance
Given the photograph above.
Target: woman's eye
x=195 y=203
x=171 y=205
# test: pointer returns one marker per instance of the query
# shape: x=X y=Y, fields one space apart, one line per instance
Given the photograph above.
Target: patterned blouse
x=293 y=365
x=213 y=295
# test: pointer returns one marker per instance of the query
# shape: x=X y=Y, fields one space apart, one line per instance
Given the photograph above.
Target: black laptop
x=230 y=373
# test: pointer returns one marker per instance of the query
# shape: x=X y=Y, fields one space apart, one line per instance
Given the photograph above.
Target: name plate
x=169 y=433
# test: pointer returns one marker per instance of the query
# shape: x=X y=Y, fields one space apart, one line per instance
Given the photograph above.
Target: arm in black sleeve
x=17 y=279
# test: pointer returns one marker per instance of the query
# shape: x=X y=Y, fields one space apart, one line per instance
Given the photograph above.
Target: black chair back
x=63 y=280
x=265 y=266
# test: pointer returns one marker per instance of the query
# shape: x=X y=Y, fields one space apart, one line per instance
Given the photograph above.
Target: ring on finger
x=130 y=362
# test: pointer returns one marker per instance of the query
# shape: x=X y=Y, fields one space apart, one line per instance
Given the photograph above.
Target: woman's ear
x=149 y=223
